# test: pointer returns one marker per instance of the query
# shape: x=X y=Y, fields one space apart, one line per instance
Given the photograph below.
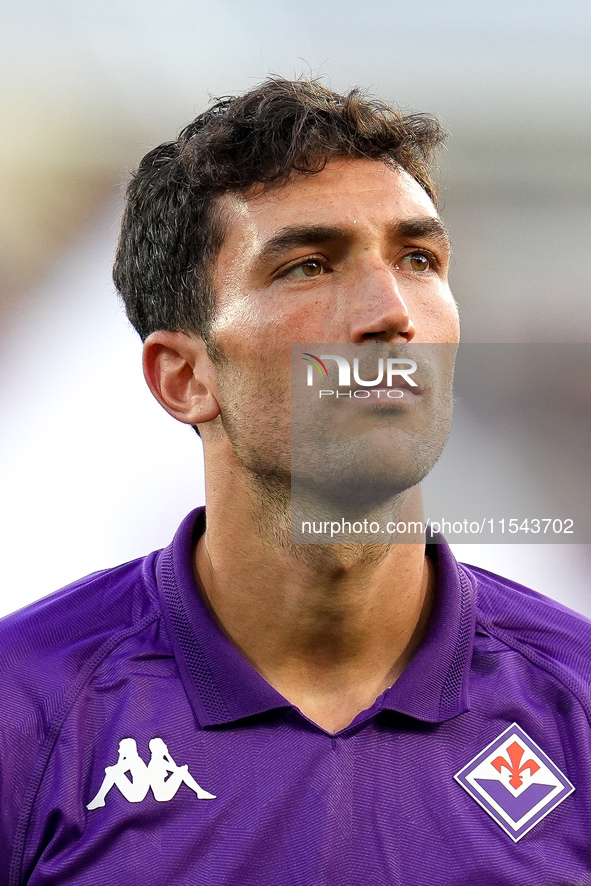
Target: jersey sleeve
x=48 y=651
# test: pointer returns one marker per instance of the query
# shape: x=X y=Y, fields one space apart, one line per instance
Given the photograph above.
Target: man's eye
x=419 y=261
x=306 y=269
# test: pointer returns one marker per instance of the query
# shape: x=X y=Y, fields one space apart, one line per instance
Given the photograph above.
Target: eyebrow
x=299 y=235
x=427 y=227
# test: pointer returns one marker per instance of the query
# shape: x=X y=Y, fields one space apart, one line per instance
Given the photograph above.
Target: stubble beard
x=266 y=467
x=263 y=451
x=261 y=445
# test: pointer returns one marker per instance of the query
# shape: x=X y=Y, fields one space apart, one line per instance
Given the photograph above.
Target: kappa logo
x=515 y=782
x=161 y=774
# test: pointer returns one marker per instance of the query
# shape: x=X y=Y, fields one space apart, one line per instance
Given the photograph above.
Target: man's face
x=355 y=255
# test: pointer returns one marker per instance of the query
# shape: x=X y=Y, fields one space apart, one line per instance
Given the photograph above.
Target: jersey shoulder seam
x=53 y=735
x=552 y=668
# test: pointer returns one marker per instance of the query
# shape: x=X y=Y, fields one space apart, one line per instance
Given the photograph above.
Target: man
x=240 y=708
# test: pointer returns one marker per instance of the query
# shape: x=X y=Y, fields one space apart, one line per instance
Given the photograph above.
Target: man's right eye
x=305 y=269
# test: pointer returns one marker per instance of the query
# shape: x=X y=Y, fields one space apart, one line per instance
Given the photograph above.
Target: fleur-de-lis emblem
x=515 y=753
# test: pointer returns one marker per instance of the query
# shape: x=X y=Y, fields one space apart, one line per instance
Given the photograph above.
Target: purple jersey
x=138 y=746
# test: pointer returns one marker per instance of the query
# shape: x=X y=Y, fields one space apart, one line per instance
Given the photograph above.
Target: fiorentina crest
x=515 y=782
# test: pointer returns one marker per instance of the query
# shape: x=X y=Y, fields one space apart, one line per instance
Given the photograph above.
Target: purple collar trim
x=224 y=687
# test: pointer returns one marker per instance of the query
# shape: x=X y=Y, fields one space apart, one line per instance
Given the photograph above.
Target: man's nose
x=377 y=311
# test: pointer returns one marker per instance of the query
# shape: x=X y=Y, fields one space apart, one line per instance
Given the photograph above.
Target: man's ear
x=181 y=376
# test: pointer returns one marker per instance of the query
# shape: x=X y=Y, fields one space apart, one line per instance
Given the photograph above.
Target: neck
x=330 y=626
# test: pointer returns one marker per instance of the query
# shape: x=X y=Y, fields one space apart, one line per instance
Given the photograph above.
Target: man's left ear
x=181 y=376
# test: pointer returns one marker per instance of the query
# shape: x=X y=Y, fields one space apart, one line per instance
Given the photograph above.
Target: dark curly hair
x=171 y=231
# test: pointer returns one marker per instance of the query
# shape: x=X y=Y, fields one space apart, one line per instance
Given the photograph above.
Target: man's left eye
x=419 y=261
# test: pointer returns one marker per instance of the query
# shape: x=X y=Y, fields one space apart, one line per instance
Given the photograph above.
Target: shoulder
x=50 y=647
x=70 y=624
x=549 y=635
x=49 y=652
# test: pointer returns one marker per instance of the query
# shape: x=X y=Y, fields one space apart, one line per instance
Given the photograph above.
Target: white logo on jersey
x=161 y=774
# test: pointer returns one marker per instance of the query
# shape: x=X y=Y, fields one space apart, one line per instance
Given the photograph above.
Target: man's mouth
x=401 y=391
x=394 y=398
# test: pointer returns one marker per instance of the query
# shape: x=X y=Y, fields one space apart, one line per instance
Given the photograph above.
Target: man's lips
x=380 y=392
x=395 y=397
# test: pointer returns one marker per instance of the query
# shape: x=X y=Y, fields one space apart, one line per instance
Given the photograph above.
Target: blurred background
x=92 y=472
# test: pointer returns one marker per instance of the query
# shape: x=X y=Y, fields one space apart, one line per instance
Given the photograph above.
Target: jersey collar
x=434 y=686
x=224 y=687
